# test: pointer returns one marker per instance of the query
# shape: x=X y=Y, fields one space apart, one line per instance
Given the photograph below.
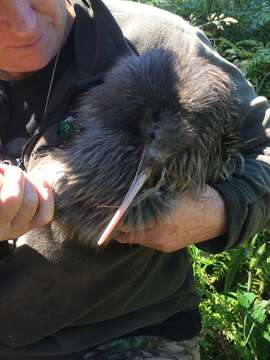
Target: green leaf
x=237 y=257
x=259 y=312
x=262 y=249
x=266 y=333
x=245 y=299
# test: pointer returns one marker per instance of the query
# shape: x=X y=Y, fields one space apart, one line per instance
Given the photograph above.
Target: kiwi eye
x=154 y=133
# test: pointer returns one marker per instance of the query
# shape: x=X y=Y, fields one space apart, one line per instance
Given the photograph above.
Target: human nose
x=17 y=15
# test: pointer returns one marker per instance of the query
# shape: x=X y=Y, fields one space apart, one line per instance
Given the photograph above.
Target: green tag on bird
x=65 y=128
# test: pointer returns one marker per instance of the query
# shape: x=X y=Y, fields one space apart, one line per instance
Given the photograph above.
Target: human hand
x=191 y=221
x=26 y=202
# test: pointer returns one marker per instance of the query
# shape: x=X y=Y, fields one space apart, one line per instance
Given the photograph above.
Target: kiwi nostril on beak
x=153 y=135
x=155 y=156
x=154 y=132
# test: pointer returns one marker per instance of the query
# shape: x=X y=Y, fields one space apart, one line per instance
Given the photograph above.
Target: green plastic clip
x=65 y=128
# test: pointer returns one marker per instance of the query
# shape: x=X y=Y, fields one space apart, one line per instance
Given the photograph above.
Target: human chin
x=33 y=59
x=36 y=62
x=41 y=54
x=20 y=66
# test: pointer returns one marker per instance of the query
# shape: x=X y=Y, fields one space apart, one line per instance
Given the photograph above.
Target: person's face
x=31 y=32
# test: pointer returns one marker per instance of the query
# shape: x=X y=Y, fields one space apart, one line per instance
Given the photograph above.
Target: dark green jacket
x=58 y=301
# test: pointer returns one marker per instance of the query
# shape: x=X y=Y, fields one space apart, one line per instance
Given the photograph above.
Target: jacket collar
x=107 y=41
x=99 y=42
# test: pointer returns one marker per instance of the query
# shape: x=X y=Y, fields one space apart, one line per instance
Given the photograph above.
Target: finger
x=135 y=187
x=45 y=212
x=129 y=238
x=149 y=237
x=156 y=243
x=11 y=195
x=149 y=225
x=139 y=237
x=21 y=221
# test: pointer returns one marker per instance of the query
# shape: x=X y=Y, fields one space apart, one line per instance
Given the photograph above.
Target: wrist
x=212 y=212
x=200 y=218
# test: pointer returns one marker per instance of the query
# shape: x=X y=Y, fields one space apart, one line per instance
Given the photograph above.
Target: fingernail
x=31 y=195
x=44 y=189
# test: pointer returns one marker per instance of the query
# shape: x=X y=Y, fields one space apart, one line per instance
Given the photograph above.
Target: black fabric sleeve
x=5 y=249
x=247 y=194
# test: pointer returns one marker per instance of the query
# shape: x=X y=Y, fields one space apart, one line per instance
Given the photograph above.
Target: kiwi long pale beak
x=135 y=187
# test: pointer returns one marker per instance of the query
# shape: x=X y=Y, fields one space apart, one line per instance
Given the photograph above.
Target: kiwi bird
x=158 y=126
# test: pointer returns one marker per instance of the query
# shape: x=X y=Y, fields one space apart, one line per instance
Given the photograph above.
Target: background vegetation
x=235 y=285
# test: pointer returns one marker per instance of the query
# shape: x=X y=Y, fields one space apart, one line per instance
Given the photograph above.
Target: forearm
x=25 y=202
x=193 y=220
x=200 y=219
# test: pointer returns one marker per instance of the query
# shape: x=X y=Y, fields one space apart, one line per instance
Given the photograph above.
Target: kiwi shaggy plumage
x=171 y=114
